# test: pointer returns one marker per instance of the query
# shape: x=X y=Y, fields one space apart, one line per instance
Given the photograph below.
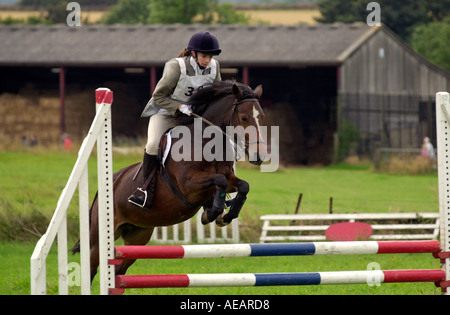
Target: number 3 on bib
x=190 y=90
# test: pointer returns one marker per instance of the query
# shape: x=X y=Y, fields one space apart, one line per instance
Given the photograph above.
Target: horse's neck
x=219 y=112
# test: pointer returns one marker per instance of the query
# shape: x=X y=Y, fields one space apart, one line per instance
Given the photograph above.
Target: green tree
x=46 y=3
x=173 y=11
x=226 y=14
x=431 y=41
x=400 y=16
x=57 y=13
x=337 y=11
x=348 y=136
x=177 y=11
x=128 y=12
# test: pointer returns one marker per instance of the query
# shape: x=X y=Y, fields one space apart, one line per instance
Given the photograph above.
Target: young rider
x=182 y=77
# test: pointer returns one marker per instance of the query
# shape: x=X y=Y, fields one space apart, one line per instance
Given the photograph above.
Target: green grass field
x=31 y=182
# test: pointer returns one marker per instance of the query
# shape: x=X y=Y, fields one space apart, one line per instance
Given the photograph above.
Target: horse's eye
x=244 y=118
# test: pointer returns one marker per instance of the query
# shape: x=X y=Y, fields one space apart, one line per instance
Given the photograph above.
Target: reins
x=235 y=104
x=235 y=109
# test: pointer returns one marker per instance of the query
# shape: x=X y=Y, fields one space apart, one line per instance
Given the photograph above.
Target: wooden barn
x=317 y=81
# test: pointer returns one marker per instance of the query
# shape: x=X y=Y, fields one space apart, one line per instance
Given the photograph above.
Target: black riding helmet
x=204 y=42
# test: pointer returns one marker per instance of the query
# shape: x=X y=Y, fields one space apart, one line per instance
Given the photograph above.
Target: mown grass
x=31 y=182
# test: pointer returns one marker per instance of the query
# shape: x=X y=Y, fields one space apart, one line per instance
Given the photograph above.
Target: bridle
x=235 y=110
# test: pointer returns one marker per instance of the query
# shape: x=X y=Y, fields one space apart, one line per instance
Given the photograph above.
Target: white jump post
x=99 y=132
x=443 y=154
x=105 y=196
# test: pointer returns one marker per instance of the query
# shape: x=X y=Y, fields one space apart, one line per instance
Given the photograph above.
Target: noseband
x=236 y=110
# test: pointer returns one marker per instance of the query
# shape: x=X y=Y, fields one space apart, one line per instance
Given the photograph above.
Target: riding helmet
x=204 y=42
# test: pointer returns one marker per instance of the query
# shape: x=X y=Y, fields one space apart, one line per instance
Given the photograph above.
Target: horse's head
x=247 y=113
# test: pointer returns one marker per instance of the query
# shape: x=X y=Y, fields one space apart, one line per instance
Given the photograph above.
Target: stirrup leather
x=130 y=199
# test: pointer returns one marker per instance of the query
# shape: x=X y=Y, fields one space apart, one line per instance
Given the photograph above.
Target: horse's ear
x=258 y=91
x=236 y=91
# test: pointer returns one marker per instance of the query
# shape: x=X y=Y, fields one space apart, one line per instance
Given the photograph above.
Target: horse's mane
x=208 y=94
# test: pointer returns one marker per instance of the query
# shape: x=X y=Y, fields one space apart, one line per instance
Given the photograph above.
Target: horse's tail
x=76 y=248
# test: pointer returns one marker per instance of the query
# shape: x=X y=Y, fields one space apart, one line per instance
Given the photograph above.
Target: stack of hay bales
x=299 y=144
x=32 y=112
x=37 y=112
x=26 y=114
x=290 y=132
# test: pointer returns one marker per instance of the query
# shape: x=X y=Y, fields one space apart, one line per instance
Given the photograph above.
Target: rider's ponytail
x=185 y=52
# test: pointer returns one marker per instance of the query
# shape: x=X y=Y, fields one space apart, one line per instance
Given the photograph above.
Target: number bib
x=188 y=85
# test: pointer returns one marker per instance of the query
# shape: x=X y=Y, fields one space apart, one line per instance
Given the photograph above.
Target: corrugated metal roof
x=143 y=45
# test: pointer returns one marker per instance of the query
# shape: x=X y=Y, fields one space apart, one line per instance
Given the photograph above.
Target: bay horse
x=192 y=183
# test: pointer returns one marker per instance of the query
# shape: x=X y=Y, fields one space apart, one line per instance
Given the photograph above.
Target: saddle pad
x=168 y=145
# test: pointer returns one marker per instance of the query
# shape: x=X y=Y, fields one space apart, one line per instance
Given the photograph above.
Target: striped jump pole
x=278 y=279
x=276 y=249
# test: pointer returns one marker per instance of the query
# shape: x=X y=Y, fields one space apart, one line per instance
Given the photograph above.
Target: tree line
x=139 y=12
x=174 y=11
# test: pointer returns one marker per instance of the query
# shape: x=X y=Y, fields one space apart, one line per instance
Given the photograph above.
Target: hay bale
x=290 y=132
x=25 y=114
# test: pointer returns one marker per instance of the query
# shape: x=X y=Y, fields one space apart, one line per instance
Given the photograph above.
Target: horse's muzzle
x=257 y=153
x=256 y=161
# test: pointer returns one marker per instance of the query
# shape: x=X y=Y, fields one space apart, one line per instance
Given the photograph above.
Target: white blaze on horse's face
x=260 y=139
x=255 y=116
x=260 y=152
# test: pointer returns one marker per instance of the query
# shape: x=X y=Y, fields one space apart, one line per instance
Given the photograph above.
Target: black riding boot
x=143 y=197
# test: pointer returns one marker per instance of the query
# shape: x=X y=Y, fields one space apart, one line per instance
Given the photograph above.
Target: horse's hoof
x=220 y=222
x=205 y=218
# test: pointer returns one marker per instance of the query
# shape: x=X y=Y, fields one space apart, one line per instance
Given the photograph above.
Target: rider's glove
x=185 y=109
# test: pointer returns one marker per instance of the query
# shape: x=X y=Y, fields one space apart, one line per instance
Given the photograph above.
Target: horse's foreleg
x=218 y=202
x=242 y=191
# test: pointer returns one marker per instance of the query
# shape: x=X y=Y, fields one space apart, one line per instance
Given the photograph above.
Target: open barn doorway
x=302 y=101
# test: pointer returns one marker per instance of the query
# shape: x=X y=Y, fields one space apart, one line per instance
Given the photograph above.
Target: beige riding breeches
x=157 y=125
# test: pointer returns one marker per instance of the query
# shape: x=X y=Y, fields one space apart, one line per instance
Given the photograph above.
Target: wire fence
x=389 y=120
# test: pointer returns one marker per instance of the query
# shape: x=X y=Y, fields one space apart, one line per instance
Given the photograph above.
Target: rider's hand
x=185 y=109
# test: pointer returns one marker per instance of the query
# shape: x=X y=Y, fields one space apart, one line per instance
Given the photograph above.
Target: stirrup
x=134 y=202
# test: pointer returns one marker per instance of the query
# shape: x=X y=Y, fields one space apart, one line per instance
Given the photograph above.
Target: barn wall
x=386 y=92
x=384 y=65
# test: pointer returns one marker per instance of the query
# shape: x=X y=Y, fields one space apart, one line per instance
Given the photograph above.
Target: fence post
x=105 y=194
x=443 y=153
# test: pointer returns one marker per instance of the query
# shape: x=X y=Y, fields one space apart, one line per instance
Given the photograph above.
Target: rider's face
x=203 y=59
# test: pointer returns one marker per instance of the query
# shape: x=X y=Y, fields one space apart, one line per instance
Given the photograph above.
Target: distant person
x=33 y=140
x=427 y=149
x=66 y=141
